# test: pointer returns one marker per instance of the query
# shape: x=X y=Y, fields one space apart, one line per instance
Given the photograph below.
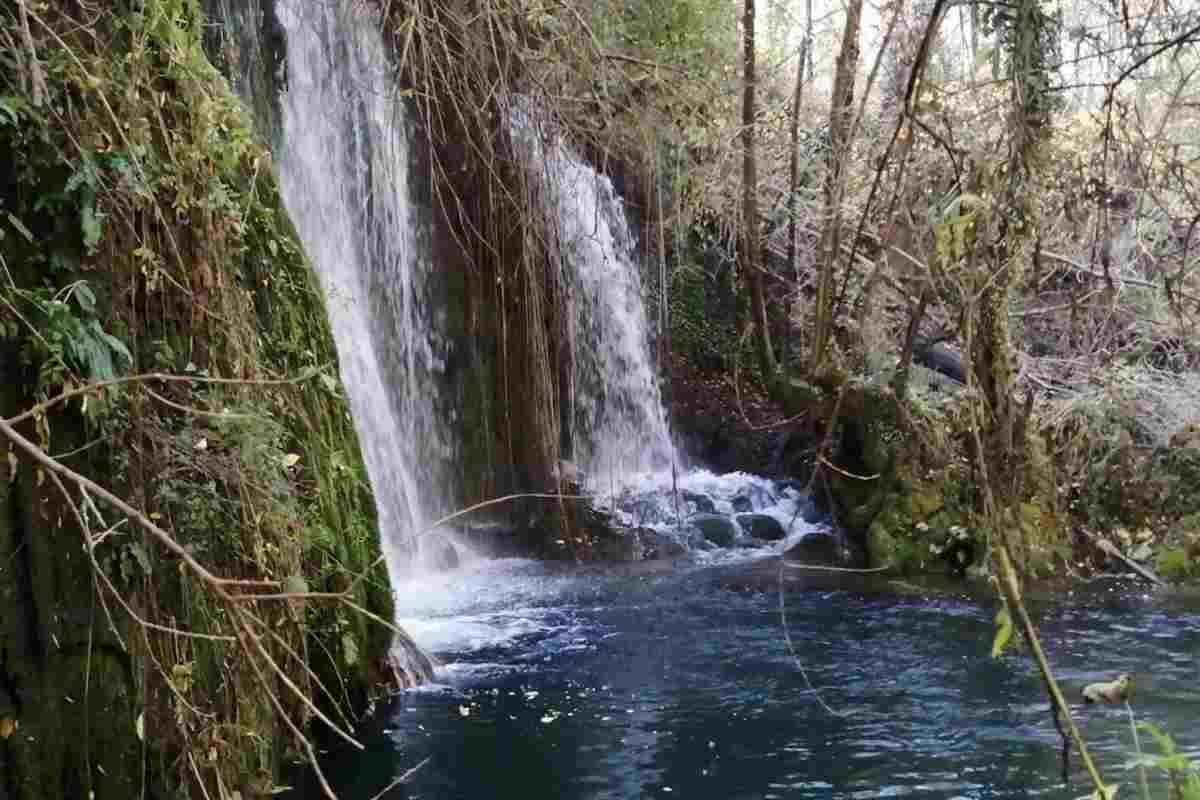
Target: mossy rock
x=923 y=503
x=882 y=548
x=1175 y=565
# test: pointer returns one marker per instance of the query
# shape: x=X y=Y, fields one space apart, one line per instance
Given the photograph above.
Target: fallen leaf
x=8 y=727
x=291 y=459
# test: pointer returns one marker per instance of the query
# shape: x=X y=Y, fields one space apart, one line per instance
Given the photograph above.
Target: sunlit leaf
x=1004 y=632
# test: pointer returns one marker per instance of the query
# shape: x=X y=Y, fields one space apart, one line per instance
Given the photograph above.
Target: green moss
x=143 y=231
x=883 y=549
x=924 y=502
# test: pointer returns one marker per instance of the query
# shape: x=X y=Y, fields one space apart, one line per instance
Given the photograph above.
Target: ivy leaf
x=1003 y=633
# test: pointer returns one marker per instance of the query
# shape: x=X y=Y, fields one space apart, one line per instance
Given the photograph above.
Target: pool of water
x=682 y=684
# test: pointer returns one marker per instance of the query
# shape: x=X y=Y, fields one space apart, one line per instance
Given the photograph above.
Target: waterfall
x=344 y=174
x=617 y=422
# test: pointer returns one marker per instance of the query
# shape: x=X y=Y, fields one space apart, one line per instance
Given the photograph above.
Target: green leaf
x=295 y=585
x=1003 y=633
x=20 y=226
x=1165 y=742
x=141 y=555
x=8 y=110
x=85 y=297
x=89 y=225
x=117 y=346
x=349 y=649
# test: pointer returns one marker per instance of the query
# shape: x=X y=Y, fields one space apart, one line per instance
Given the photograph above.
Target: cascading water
x=618 y=426
x=344 y=174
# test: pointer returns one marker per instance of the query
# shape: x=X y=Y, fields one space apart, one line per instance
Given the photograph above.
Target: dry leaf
x=8 y=727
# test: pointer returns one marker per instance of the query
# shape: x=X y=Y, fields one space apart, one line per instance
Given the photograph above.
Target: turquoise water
x=682 y=685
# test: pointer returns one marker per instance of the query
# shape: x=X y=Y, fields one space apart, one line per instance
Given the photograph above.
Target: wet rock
x=761 y=526
x=940 y=358
x=702 y=502
x=715 y=528
x=622 y=545
x=752 y=497
x=656 y=545
x=820 y=548
x=496 y=539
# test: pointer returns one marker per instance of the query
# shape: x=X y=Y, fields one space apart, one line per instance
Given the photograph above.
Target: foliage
x=141 y=230
x=1184 y=774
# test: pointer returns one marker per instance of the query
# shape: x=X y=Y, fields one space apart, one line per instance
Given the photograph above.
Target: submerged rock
x=742 y=502
x=715 y=528
x=761 y=526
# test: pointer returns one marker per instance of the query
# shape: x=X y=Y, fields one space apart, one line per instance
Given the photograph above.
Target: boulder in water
x=621 y=545
x=658 y=545
x=703 y=503
x=761 y=526
x=742 y=502
x=819 y=548
x=715 y=528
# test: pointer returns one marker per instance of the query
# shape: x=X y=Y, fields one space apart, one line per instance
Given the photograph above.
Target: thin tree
x=793 y=246
x=841 y=115
x=750 y=243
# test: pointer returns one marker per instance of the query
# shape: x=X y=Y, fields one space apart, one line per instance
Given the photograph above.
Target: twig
x=159 y=376
x=787 y=637
x=1110 y=549
x=402 y=779
x=845 y=473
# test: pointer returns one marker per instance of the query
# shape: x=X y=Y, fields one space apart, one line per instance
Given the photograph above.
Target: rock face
x=761 y=526
x=715 y=528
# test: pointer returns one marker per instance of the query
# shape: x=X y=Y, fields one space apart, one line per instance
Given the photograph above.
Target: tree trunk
x=750 y=244
x=841 y=113
x=793 y=245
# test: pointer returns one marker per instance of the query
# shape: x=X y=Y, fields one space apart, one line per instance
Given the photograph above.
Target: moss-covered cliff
x=141 y=232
